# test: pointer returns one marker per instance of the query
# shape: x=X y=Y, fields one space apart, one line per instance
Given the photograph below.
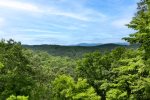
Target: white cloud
x=17 y=5
x=59 y=12
x=12 y=4
x=49 y=38
x=1 y=33
x=120 y=23
x=85 y=14
x=35 y=30
x=94 y=15
x=5 y=35
x=68 y=27
x=82 y=13
x=2 y=22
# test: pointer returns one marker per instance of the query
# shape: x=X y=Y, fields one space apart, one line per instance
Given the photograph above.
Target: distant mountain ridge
x=97 y=44
x=75 y=51
x=88 y=44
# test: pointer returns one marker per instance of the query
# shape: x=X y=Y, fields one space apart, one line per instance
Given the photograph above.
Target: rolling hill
x=75 y=51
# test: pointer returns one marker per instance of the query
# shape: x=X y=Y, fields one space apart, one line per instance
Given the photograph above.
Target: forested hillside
x=120 y=74
x=75 y=51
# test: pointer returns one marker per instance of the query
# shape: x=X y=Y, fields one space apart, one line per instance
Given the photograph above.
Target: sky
x=66 y=22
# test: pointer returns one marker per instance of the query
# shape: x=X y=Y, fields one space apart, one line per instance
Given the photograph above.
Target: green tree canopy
x=65 y=88
x=15 y=74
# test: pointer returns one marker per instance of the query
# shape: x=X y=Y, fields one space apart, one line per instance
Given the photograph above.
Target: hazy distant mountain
x=98 y=44
x=122 y=43
x=88 y=44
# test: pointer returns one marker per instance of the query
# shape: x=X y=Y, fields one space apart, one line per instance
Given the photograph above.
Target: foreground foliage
x=15 y=74
x=65 y=87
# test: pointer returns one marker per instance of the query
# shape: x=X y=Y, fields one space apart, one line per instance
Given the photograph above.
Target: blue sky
x=66 y=21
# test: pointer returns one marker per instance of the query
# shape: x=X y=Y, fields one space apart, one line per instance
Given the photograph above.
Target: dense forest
x=118 y=74
x=75 y=51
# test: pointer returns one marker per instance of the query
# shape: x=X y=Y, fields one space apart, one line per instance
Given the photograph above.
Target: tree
x=15 y=74
x=95 y=68
x=65 y=88
x=141 y=24
x=130 y=78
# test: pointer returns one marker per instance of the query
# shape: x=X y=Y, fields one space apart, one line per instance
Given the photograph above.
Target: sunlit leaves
x=64 y=87
x=12 y=97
